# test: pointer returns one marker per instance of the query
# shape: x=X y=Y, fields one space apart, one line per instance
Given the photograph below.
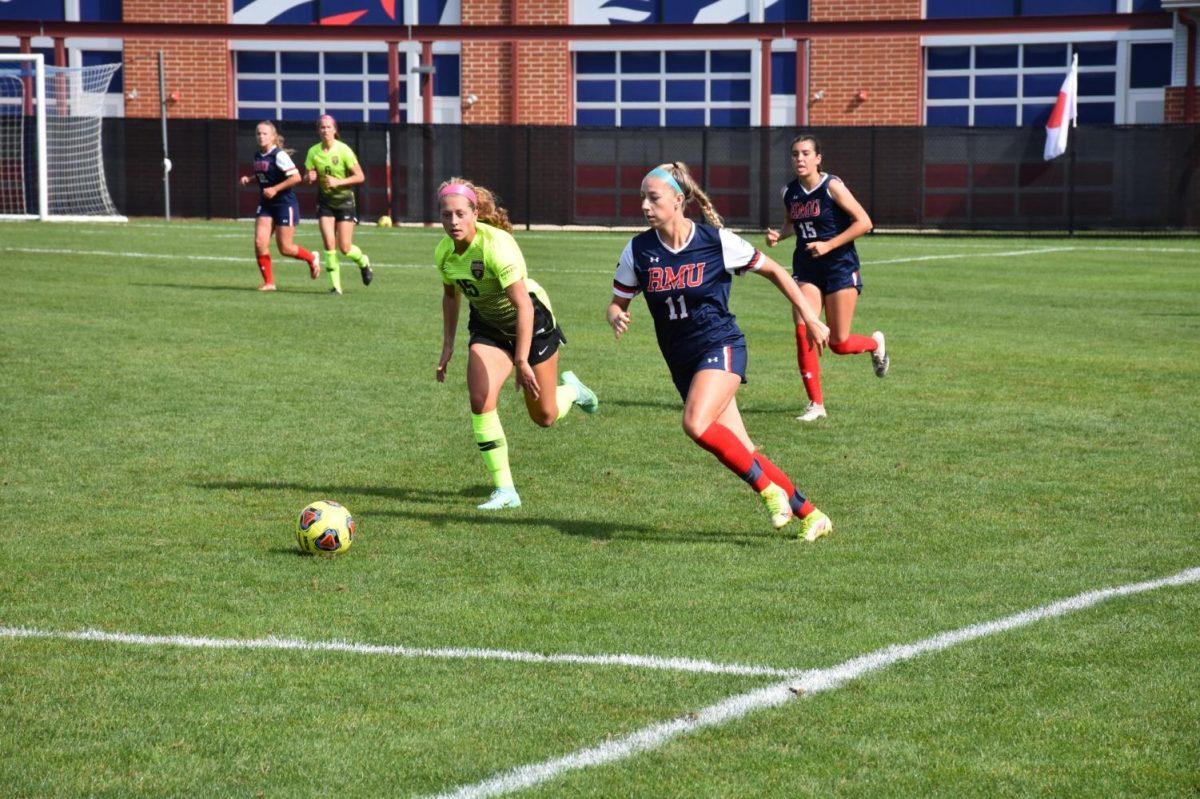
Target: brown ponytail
x=489 y=212
x=692 y=191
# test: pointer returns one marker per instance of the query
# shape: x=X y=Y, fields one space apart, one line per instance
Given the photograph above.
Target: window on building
x=665 y=88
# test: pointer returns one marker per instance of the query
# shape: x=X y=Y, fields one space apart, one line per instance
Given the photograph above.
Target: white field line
x=809 y=682
x=451 y=653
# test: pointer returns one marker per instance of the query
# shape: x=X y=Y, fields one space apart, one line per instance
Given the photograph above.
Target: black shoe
x=367 y=274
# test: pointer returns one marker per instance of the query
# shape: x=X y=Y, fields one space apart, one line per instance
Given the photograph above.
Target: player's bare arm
x=818 y=331
x=860 y=225
x=618 y=315
x=776 y=236
x=450 y=306
x=518 y=294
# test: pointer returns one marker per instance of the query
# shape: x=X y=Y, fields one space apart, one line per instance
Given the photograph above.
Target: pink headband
x=324 y=117
x=458 y=188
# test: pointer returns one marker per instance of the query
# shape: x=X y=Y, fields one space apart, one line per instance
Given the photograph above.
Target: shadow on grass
x=388 y=492
x=677 y=407
x=593 y=529
x=195 y=287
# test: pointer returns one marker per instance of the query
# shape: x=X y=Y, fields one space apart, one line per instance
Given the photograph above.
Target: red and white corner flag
x=1065 y=110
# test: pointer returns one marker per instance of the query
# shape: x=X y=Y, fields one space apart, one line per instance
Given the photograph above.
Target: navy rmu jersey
x=816 y=217
x=271 y=168
x=687 y=291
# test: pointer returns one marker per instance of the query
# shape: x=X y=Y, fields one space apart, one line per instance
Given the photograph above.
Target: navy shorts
x=729 y=358
x=283 y=214
x=828 y=277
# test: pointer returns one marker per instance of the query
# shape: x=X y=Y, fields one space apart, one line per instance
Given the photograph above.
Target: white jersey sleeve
x=783 y=192
x=739 y=254
x=625 y=282
x=285 y=162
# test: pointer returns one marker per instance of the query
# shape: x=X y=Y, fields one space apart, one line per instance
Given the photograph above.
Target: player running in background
x=278 y=209
x=511 y=325
x=685 y=270
x=334 y=167
x=826 y=219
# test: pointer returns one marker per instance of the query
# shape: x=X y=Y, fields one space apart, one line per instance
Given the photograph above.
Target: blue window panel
x=1094 y=83
x=686 y=61
x=342 y=91
x=641 y=62
x=996 y=115
x=949 y=58
x=595 y=116
x=294 y=63
x=730 y=117
x=640 y=118
x=685 y=91
x=33 y=9
x=1002 y=57
x=730 y=90
x=946 y=9
x=377 y=91
x=1045 y=55
x=685 y=117
x=1146 y=5
x=787 y=11
x=93 y=57
x=446 y=79
x=301 y=91
x=596 y=91
x=298 y=114
x=1036 y=7
x=639 y=91
x=1036 y=114
x=947 y=88
x=252 y=61
x=1097 y=54
x=377 y=63
x=595 y=63
x=1096 y=113
x=1042 y=85
x=730 y=60
x=783 y=73
x=946 y=115
x=100 y=10
x=1150 y=65
x=343 y=63
x=995 y=85
x=381 y=115
x=248 y=112
x=256 y=91
x=429 y=12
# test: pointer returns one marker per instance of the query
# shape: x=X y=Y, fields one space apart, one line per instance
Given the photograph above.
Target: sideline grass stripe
x=810 y=682
x=448 y=653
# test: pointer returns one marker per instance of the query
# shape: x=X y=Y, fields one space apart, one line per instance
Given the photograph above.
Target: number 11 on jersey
x=682 y=312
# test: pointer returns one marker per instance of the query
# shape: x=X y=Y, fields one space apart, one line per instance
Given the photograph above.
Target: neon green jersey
x=491 y=264
x=336 y=162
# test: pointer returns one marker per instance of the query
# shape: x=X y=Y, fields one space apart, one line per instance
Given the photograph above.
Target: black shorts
x=343 y=213
x=547 y=335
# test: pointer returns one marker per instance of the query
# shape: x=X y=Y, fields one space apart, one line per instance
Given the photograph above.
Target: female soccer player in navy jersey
x=512 y=326
x=278 y=209
x=826 y=219
x=685 y=270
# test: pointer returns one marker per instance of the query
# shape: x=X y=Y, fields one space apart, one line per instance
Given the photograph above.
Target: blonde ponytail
x=692 y=191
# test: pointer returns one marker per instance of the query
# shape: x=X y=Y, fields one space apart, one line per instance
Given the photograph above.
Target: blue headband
x=665 y=177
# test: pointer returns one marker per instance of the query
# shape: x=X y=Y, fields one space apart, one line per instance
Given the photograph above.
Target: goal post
x=51 y=159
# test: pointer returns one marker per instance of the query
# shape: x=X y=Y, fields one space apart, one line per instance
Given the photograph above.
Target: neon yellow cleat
x=776 y=500
x=815 y=525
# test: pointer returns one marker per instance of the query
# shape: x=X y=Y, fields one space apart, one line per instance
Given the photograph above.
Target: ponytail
x=692 y=191
x=486 y=206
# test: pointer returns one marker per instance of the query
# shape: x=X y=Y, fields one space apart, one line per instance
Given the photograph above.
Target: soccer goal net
x=51 y=160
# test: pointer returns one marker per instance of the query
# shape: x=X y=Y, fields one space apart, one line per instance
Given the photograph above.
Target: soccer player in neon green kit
x=512 y=326
x=334 y=167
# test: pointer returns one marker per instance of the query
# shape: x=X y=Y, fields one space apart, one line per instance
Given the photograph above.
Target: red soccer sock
x=809 y=363
x=264 y=266
x=303 y=254
x=720 y=441
x=854 y=344
x=800 y=506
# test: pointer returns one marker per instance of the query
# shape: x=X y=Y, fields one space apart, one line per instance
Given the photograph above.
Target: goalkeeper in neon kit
x=334 y=167
x=512 y=326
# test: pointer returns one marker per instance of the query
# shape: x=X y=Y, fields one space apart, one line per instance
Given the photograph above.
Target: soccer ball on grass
x=325 y=528
x=385 y=221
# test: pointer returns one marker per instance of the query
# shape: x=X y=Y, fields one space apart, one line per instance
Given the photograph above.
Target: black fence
x=1144 y=177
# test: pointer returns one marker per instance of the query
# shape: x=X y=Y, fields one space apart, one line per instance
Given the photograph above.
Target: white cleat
x=812 y=412
x=879 y=358
x=314 y=266
x=501 y=498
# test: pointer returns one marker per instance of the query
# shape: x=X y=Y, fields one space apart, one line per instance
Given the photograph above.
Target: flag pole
x=1075 y=96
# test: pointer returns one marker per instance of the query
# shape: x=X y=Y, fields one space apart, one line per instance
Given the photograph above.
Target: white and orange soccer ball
x=325 y=528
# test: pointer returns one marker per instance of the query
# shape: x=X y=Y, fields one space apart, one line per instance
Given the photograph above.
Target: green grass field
x=164 y=423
